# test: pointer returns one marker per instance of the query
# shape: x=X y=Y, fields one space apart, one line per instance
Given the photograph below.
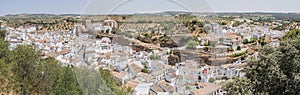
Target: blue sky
x=137 y=6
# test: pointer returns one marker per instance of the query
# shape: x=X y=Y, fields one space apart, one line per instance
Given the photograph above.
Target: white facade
x=103 y=45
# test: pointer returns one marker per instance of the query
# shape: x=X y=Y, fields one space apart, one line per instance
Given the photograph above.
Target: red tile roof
x=64 y=51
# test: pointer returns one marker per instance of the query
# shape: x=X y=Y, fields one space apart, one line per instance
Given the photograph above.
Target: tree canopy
x=276 y=71
x=23 y=71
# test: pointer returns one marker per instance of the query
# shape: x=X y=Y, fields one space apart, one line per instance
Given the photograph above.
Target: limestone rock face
x=158 y=39
x=174 y=57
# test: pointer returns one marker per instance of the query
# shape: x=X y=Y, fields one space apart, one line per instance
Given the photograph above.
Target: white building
x=103 y=45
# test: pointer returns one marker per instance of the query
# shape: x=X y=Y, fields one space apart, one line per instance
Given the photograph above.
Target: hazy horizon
x=102 y=7
x=141 y=13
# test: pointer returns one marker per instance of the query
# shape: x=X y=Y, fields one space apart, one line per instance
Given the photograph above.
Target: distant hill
x=171 y=13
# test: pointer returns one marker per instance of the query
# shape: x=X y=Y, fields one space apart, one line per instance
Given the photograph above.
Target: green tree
x=148 y=35
x=230 y=49
x=154 y=57
x=145 y=70
x=4 y=52
x=26 y=73
x=276 y=71
x=187 y=87
x=293 y=34
x=105 y=75
x=238 y=86
x=192 y=44
x=238 y=48
x=5 y=77
x=67 y=83
x=2 y=34
x=265 y=73
x=211 y=80
x=24 y=59
x=245 y=41
x=261 y=41
x=236 y=24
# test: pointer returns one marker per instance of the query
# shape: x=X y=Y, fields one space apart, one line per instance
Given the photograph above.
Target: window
x=104 y=47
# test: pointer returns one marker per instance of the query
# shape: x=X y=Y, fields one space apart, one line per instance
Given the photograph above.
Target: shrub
x=192 y=44
x=154 y=57
x=211 y=80
x=238 y=48
x=230 y=49
x=145 y=70
x=206 y=44
x=148 y=35
x=245 y=41
x=238 y=54
x=187 y=87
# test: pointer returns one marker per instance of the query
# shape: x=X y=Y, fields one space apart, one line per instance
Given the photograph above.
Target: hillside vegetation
x=276 y=71
x=23 y=72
